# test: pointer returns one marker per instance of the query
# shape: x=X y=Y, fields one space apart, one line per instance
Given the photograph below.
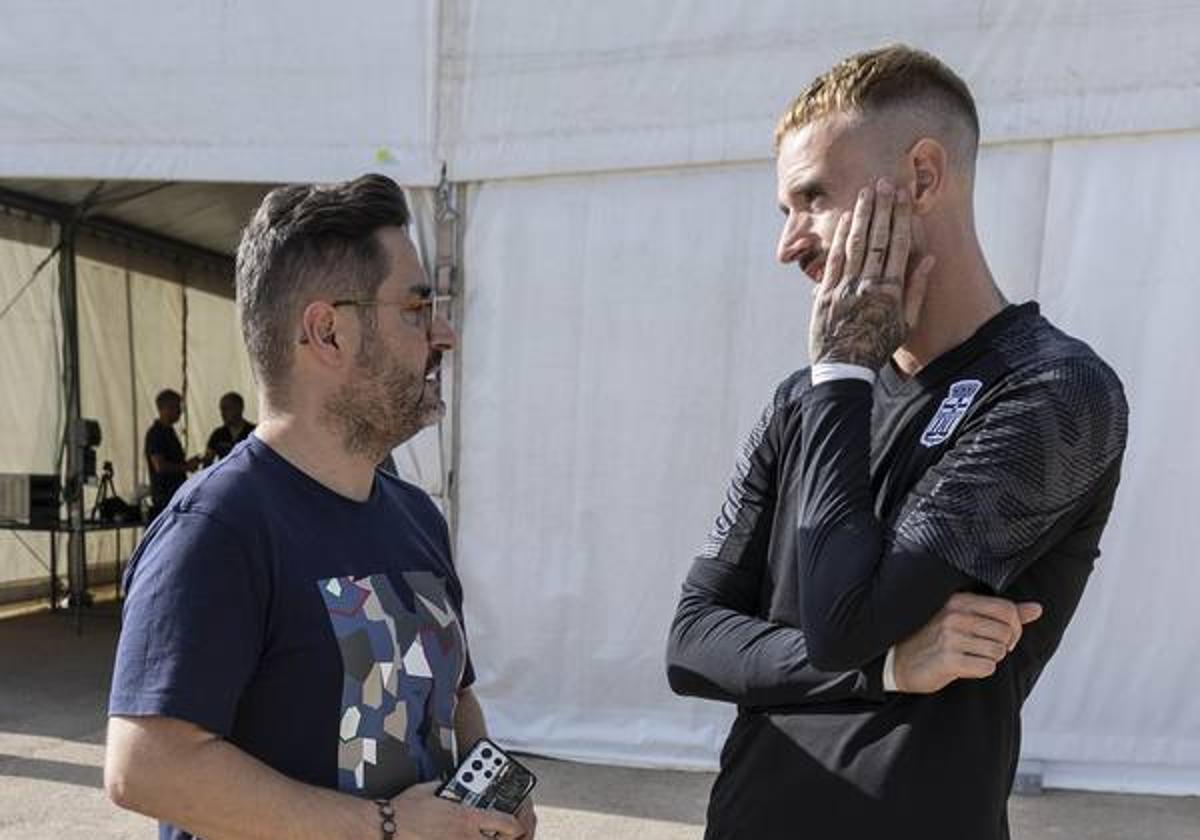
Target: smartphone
x=489 y=778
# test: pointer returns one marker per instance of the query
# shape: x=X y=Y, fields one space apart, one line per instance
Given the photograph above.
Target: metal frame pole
x=68 y=301
x=447 y=280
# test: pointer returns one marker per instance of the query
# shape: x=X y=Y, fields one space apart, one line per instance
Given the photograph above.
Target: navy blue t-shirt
x=321 y=635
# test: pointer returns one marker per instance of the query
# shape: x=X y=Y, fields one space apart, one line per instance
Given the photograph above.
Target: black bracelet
x=387 y=819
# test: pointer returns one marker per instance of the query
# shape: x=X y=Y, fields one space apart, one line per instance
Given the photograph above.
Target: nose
x=442 y=336
x=795 y=238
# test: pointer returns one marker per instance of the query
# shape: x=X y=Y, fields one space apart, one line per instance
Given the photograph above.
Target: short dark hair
x=232 y=397
x=307 y=240
x=167 y=396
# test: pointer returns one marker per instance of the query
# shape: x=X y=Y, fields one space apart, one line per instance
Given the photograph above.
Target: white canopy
x=623 y=321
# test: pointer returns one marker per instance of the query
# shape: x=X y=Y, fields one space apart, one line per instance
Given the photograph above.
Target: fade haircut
x=893 y=79
x=306 y=242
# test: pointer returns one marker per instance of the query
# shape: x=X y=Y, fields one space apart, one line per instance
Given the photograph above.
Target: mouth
x=433 y=369
x=813 y=264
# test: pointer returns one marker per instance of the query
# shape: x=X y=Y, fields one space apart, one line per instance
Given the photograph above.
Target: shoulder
x=1044 y=360
x=409 y=496
x=792 y=389
x=236 y=490
x=1058 y=389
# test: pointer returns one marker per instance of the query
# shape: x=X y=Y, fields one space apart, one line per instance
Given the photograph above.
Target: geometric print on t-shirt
x=403 y=661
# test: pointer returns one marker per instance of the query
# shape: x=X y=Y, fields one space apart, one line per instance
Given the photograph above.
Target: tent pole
x=448 y=233
x=73 y=434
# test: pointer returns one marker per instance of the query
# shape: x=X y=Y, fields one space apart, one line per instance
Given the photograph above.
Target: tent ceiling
x=208 y=216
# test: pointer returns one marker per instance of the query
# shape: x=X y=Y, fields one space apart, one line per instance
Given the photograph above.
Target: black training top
x=853 y=515
x=161 y=440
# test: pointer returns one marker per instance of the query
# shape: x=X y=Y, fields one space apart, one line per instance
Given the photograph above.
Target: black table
x=53 y=529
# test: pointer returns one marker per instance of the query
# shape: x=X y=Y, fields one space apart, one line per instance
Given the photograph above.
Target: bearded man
x=293 y=661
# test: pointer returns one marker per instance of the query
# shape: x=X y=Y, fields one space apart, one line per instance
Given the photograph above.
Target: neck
x=310 y=447
x=961 y=297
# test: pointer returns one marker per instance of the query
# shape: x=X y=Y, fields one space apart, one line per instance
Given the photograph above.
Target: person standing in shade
x=168 y=465
x=234 y=428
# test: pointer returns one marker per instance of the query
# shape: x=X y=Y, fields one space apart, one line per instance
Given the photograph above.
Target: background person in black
x=233 y=430
x=165 y=458
x=944 y=448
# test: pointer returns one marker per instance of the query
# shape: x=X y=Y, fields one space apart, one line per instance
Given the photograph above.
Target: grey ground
x=53 y=686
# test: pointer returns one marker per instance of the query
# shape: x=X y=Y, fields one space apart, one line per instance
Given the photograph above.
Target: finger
x=856 y=241
x=836 y=261
x=985 y=627
x=881 y=230
x=497 y=822
x=979 y=646
x=900 y=242
x=1029 y=611
x=1000 y=609
x=974 y=667
x=915 y=288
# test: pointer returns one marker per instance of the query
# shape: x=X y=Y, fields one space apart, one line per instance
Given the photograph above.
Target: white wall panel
x=1118 y=271
x=622 y=333
x=534 y=88
x=235 y=91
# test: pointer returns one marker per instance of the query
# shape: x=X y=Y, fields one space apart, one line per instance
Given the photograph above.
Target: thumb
x=1029 y=611
x=915 y=288
x=497 y=823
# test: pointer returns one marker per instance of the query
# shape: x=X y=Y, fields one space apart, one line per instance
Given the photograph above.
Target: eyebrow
x=804 y=187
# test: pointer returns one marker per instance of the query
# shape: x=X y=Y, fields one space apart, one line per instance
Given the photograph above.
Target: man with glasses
x=293 y=661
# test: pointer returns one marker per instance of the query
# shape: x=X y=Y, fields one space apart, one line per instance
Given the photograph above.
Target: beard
x=383 y=405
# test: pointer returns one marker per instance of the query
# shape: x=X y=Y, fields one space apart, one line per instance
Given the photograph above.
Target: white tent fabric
x=623 y=319
x=135 y=318
x=625 y=328
x=568 y=87
x=239 y=91
x=1117 y=707
x=617 y=350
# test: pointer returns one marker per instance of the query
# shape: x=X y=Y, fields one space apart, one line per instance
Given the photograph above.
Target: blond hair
x=884 y=78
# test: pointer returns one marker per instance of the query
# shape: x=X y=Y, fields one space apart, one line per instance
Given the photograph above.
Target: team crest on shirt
x=950 y=412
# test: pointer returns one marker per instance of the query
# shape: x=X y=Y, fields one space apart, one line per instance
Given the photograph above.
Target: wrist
x=889 y=671
x=387 y=819
x=361 y=820
x=827 y=371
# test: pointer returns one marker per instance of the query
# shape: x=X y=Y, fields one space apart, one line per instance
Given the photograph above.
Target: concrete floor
x=52 y=694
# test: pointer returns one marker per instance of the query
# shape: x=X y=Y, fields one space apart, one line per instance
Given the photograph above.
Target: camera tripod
x=104 y=491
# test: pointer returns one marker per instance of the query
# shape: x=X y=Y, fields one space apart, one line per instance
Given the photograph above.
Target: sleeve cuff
x=889 y=670
x=828 y=371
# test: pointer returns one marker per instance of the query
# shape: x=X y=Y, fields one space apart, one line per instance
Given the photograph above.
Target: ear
x=318 y=324
x=927 y=164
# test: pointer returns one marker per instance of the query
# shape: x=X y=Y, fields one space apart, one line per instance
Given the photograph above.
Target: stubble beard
x=383 y=406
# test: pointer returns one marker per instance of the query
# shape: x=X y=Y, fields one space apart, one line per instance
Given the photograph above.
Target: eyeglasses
x=416 y=313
